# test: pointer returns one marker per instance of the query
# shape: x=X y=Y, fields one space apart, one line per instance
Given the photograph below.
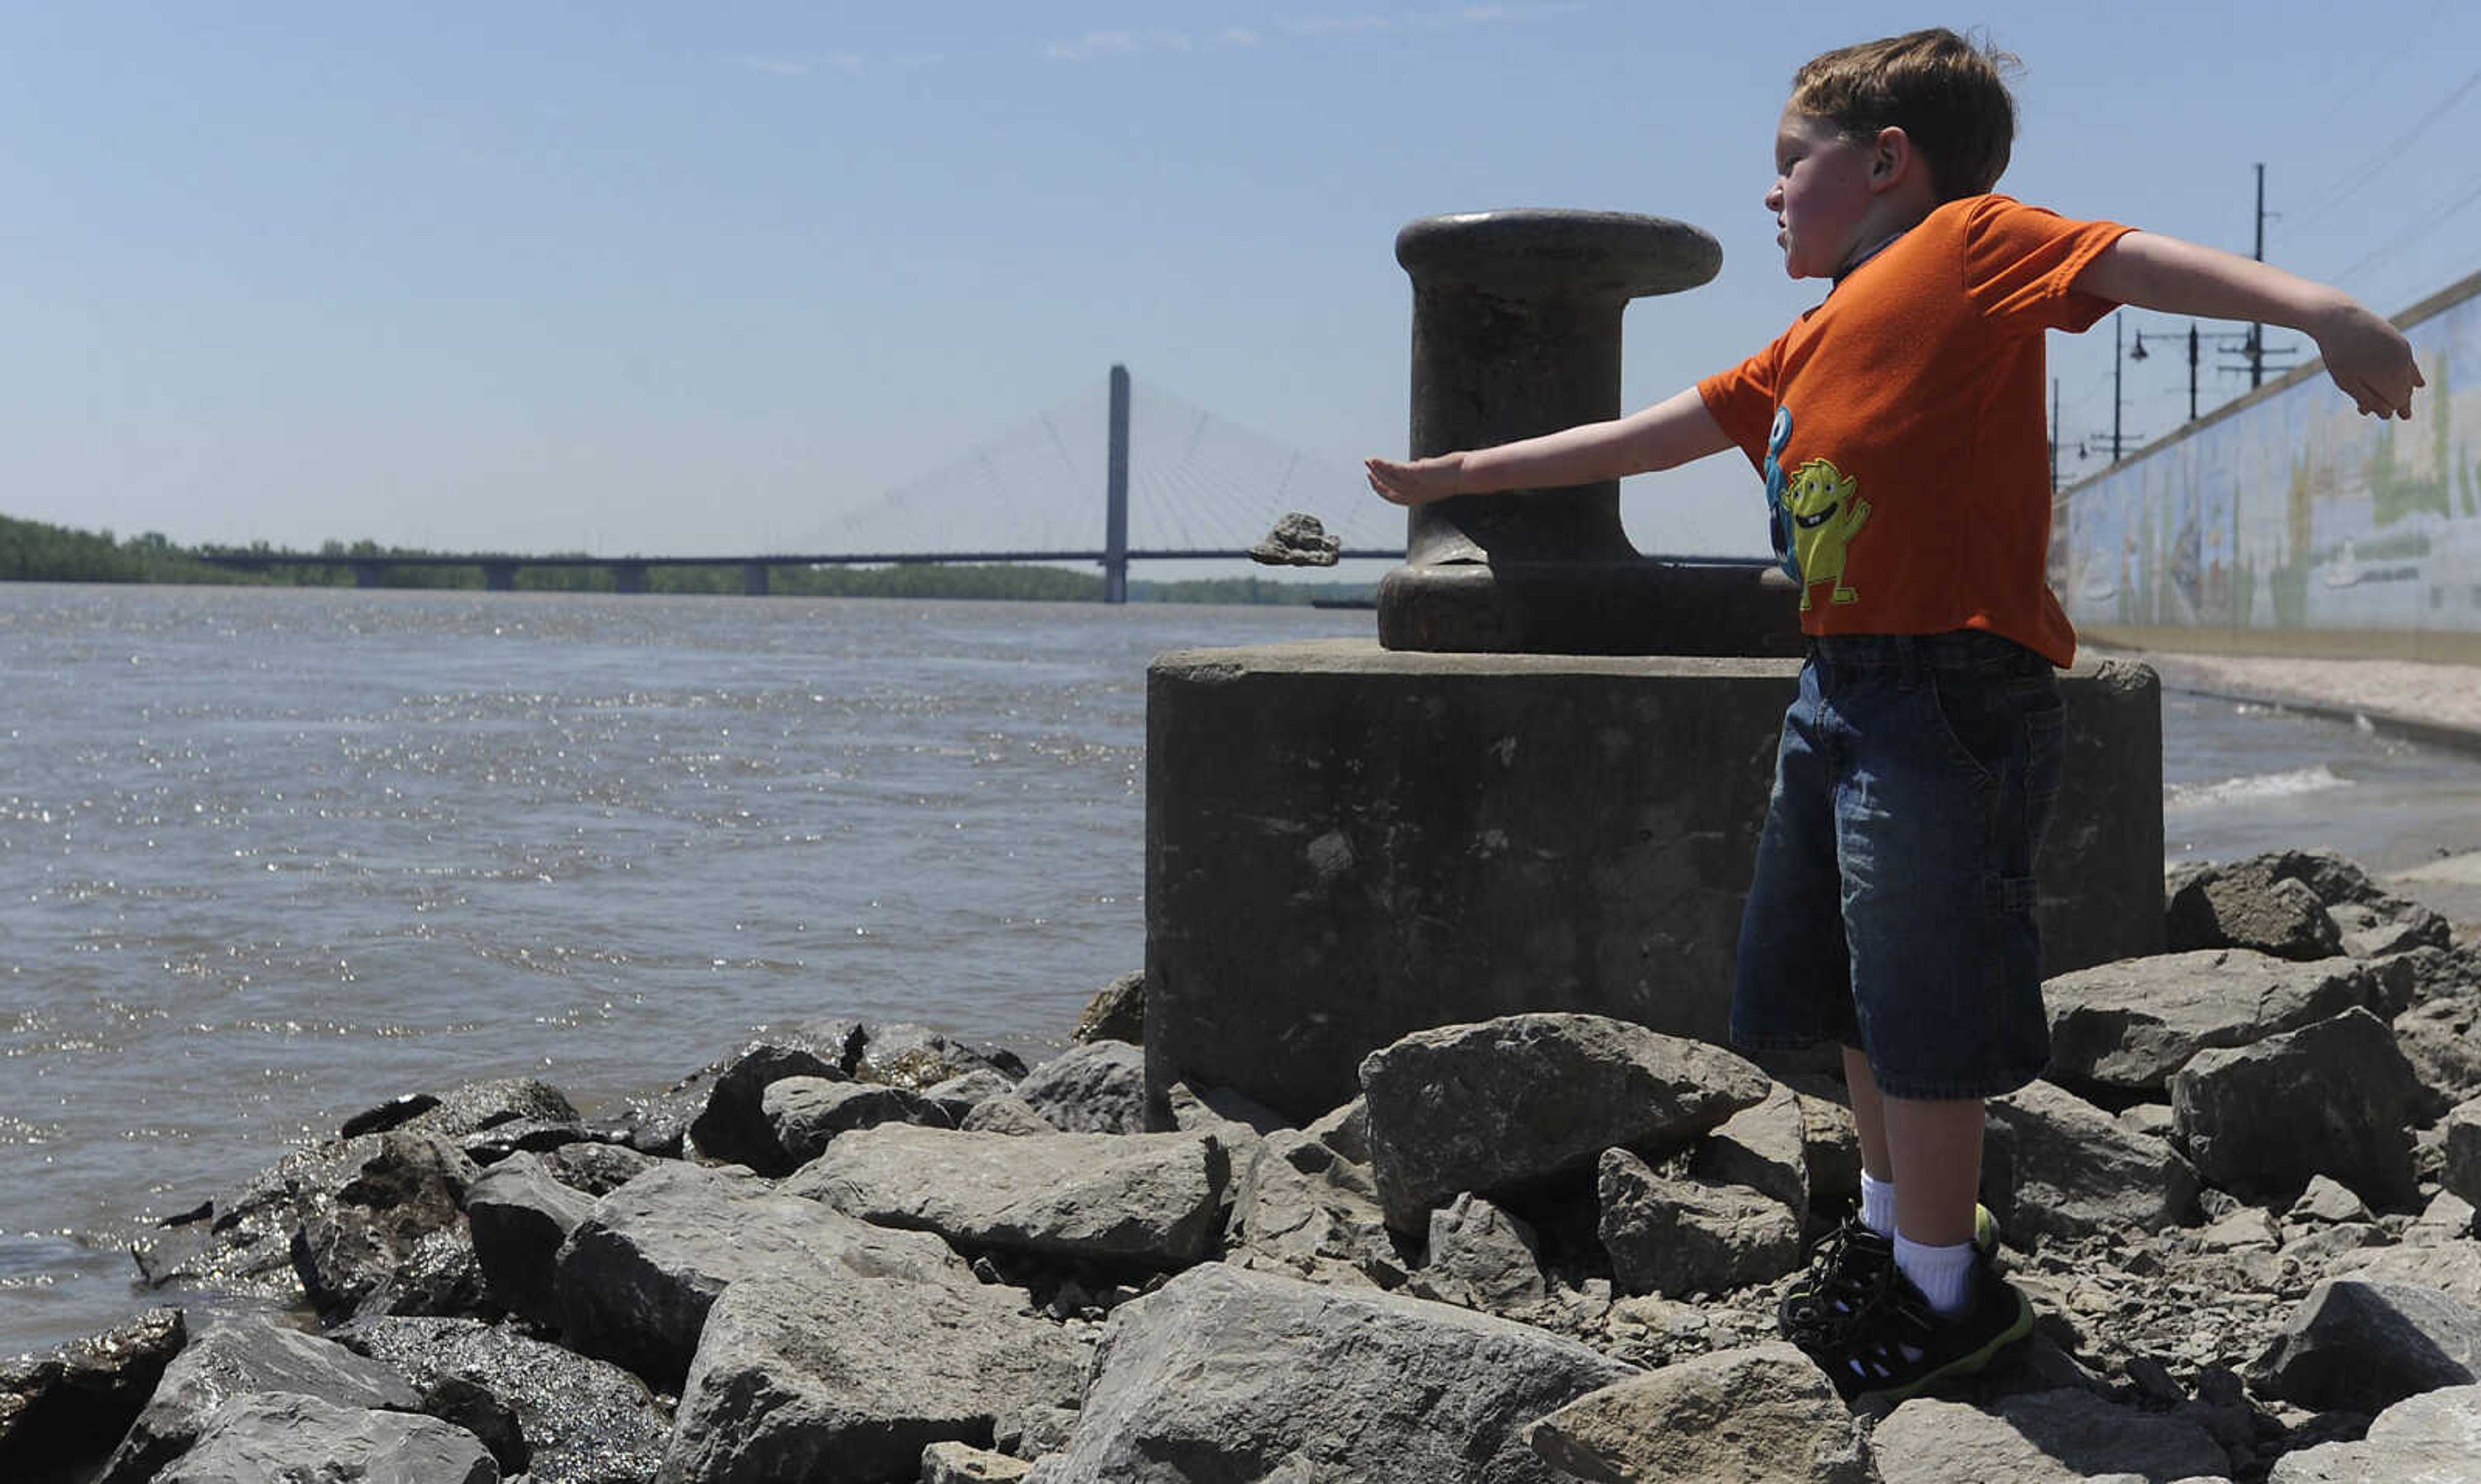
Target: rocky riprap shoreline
x=1537 y=1248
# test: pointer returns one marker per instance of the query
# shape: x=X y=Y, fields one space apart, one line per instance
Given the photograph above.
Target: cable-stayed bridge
x=1127 y=473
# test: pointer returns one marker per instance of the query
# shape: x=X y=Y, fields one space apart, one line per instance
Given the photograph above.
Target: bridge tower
x=1116 y=518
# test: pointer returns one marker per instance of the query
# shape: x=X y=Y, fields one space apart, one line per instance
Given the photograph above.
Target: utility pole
x=2054 y=436
x=2256 y=331
x=2117 y=364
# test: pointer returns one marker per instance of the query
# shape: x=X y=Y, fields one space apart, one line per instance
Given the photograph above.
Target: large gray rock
x=520 y=1216
x=2335 y=1098
x=1098 y=1088
x=2249 y=906
x=1303 y=1210
x=1224 y=1375
x=2364 y=1346
x=2055 y=1165
x=62 y=1411
x=2434 y=1437
x=734 y=1126
x=1681 y=1237
x=1766 y=1415
x=1501 y=1105
x=1148 y=1197
x=287 y=1436
x=578 y=1421
x=237 y=1358
x=2130 y=1025
x=805 y=1112
x=635 y=1279
x=2057 y=1436
x=845 y=1374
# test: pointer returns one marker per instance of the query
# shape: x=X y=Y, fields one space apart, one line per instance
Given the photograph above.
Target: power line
x=2397 y=240
x=2353 y=180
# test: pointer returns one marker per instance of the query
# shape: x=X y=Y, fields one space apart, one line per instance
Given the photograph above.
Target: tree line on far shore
x=31 y=551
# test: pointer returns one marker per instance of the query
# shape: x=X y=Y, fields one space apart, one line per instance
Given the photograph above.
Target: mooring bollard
x=1516 y=331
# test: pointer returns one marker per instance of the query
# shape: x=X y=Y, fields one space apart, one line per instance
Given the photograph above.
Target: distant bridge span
x=1207 y=485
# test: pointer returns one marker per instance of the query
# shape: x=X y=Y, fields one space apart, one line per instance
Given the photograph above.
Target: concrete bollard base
x=1346 y=844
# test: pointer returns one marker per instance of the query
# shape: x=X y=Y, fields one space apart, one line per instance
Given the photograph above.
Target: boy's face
x=1822 y=196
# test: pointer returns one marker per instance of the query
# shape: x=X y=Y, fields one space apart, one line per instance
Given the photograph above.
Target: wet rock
x=1099 y=1088
x=1482 y=1257
x=282 y=1435
x=2128 y=1025
x=395 y=1114
x=2332 y=1098
x=1504 y=1106
x=66 y=1408
x=1118 y=1012
x=1305 y=1211
x=489 y=1146
x=734 y=1127
x=1225 y=1374
x=2055 y=1165
x=2364 y=1346
x=1151 y=1198
x=519 y=1216
x=2435 y=1435
x=917 y=1056
x=391 y=1237
x=636 y=1280
x=2056 y=1436
x=844 y=1374
x=805 y=1112
x=659 y=1124
x=2248 y=905
x=595 y=1168
x=248 y=1247
x=1766 y=1415
x=240 y=1358
x=1680 y=1237
x=577 y=1421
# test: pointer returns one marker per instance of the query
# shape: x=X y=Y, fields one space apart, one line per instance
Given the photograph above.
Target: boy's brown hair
x=1943 y=91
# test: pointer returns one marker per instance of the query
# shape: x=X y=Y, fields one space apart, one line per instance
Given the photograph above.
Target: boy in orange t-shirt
x=1899 y=428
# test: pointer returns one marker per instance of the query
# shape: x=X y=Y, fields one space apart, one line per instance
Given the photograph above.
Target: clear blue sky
x=674 y=278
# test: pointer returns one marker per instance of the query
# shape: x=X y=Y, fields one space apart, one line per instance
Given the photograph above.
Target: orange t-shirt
x=1900 y=428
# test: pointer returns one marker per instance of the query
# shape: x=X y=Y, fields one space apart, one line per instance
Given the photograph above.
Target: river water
x=269 y=856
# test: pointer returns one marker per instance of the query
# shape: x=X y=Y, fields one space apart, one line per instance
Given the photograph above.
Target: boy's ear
x=1891 y=159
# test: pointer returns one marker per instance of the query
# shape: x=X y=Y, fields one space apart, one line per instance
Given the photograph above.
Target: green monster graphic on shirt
x=1814 y=516
x=1824 y=520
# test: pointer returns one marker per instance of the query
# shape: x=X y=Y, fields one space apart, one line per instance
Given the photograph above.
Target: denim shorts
x=1893 y=904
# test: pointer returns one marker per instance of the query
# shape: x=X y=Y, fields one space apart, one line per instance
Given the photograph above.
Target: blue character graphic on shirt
x=1812 y=517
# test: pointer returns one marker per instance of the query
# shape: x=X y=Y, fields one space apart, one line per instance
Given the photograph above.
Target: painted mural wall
x=2293 y=513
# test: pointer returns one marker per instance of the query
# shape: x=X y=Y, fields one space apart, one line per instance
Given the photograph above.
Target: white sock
x=1943 y=1274
x=1878 y=1203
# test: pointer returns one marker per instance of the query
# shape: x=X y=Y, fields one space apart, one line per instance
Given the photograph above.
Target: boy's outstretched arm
x=1669 y=434
x=2367 y=358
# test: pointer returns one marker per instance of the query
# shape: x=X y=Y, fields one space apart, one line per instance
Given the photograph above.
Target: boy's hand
x=1420 y=481
x=2369 y=359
